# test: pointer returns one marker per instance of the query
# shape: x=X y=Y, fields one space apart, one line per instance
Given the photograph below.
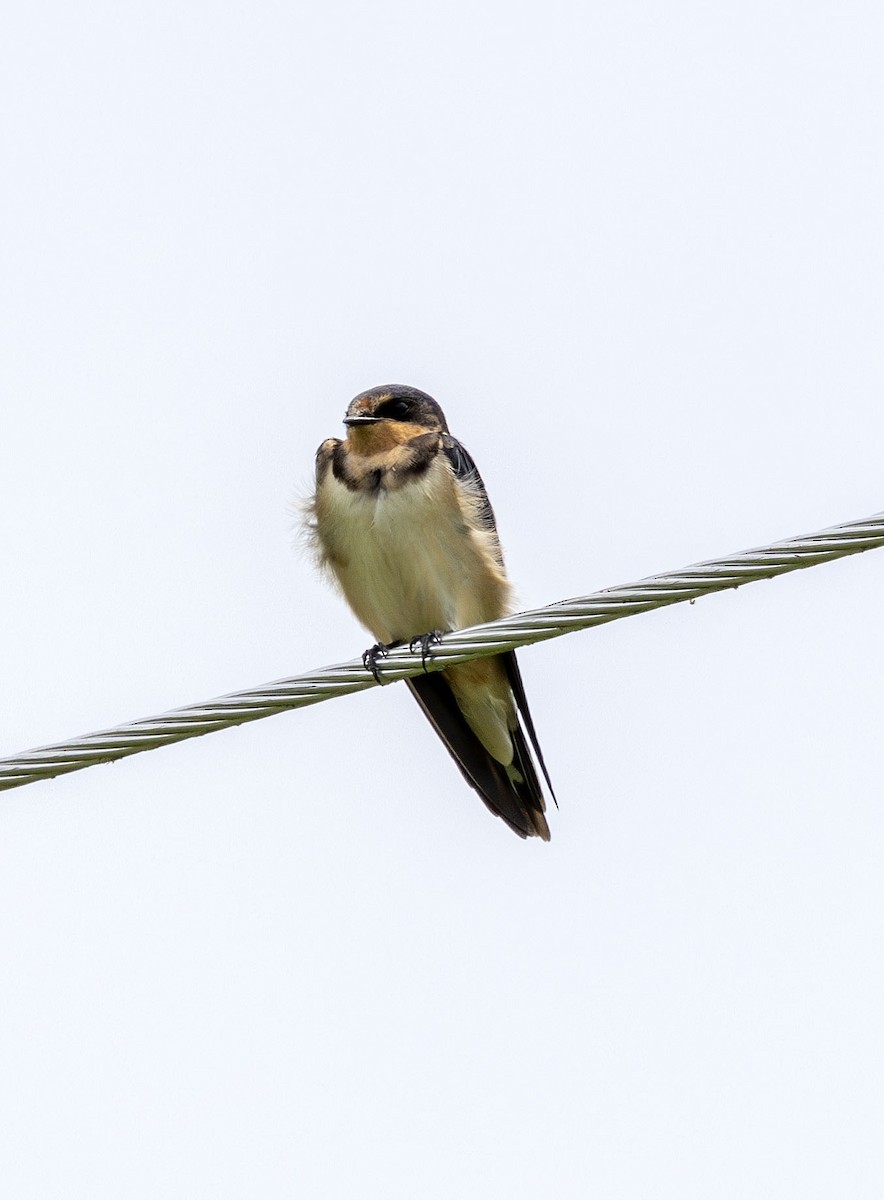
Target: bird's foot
x=372 y=657
x=426 y=641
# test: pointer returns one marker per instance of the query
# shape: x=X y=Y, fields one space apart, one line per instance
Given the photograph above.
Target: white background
x=635 y=251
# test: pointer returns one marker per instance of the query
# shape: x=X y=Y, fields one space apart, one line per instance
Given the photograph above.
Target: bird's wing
x=466 y=471
x=515 y=793
x=514 y=675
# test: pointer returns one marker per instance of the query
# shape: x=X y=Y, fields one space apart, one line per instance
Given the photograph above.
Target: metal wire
x=522 y=629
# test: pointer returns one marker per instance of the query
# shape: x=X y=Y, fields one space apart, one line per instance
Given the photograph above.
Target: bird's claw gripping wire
x=372 y=656
x=426 y=641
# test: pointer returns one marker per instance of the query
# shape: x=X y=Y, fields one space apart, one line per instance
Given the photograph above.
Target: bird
x=401 y=521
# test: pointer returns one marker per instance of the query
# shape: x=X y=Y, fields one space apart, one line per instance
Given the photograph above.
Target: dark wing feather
x=519 y=804
x=514 y=675
x=465 y=468
x=466 y=471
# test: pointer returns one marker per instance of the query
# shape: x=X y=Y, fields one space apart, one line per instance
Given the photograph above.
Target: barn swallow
x=402 y=522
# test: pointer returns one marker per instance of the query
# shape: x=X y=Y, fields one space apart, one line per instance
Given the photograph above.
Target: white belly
x=408 y=560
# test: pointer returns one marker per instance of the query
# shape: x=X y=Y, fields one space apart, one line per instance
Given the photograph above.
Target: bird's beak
x=361 y=420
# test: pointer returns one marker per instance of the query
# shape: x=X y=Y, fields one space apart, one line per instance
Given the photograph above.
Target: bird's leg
x=426 y=641
x=372 y=656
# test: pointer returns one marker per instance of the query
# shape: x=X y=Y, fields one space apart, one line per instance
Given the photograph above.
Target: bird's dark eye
x=397 y=410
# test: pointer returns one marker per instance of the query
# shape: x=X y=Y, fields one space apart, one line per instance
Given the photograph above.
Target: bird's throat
x=366 y=441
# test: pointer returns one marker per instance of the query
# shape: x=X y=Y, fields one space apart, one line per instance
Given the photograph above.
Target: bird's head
x=389 y=416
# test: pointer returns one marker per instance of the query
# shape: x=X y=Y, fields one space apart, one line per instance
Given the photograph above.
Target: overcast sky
x=635 y=251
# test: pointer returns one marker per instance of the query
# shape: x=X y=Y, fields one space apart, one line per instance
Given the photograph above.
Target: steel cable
x=509 y=633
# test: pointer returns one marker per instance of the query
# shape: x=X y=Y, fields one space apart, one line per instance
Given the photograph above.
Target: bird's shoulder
x=466 y=472
x=325 y=454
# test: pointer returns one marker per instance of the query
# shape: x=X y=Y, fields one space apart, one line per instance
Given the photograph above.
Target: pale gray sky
x=636 y=253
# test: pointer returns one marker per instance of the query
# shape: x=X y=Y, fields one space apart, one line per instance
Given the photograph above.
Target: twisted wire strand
x=509 y=633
